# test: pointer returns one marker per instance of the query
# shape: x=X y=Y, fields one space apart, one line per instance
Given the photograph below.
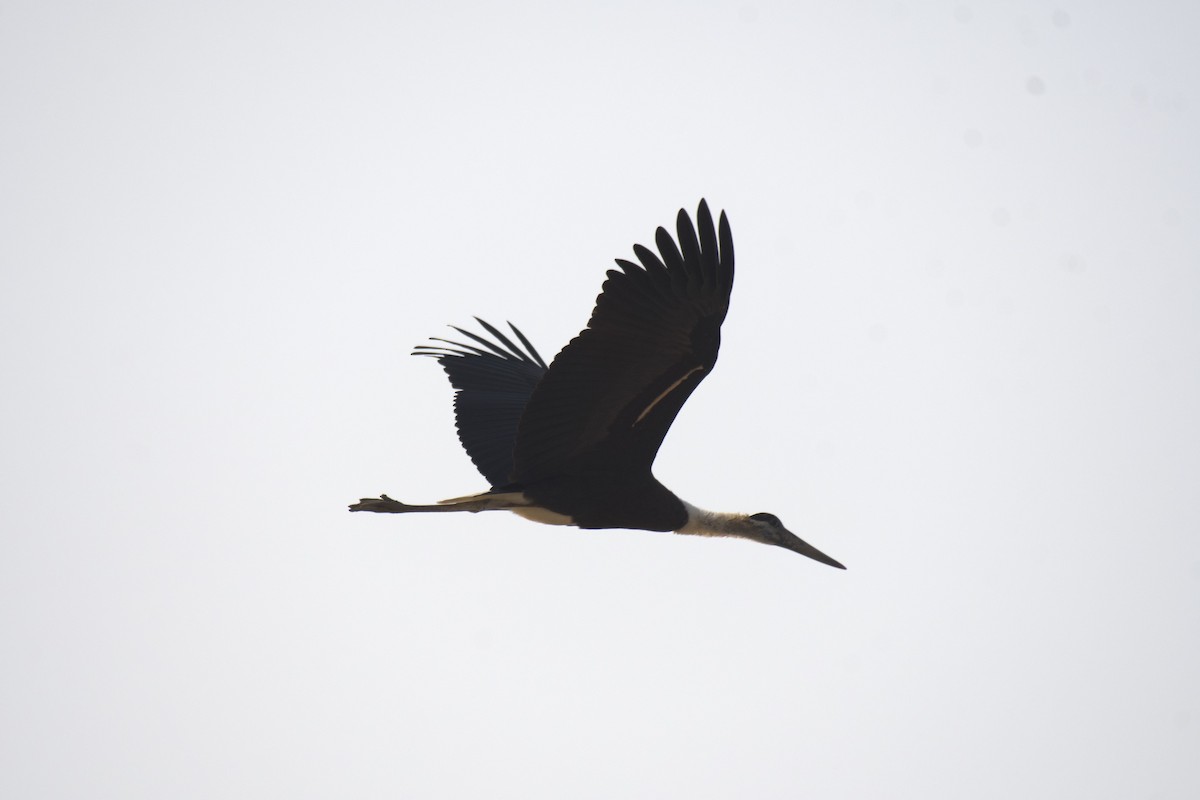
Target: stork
x=573 y=443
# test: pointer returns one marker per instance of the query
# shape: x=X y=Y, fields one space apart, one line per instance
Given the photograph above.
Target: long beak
x=797 y=545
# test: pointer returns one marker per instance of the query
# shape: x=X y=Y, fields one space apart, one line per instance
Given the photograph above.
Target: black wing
x=494 y=383
x=610 y=396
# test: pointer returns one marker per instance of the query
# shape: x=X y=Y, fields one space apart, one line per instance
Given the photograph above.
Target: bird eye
x=770 y=519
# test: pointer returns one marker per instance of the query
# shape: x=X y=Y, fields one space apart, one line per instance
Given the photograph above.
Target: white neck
x=712 y=523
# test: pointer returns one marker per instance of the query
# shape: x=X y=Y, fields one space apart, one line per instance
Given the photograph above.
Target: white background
x=962 y=358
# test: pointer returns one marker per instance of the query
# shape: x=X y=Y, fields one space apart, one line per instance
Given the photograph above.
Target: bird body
x=573 y=443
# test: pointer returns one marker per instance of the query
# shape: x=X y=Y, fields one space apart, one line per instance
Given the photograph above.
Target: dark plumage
x=573 y=443
x=494 y=384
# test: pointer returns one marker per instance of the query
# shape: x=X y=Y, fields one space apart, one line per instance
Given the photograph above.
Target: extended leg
x=386 y=505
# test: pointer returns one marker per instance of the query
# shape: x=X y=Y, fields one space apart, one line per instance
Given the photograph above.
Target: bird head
x=767 y=528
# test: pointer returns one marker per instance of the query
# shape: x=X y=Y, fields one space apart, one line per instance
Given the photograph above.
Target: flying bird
x=573 y=443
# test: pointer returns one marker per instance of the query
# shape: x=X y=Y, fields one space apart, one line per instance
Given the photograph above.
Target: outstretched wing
x=610 y=396
x=494 y=381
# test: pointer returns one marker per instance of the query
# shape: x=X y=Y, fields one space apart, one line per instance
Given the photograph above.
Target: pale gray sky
x=962 y=358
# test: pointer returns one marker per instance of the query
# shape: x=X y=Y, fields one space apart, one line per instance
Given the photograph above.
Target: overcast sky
x=963 y=358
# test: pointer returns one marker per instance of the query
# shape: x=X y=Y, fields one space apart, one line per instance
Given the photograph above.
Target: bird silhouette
x=573 y=443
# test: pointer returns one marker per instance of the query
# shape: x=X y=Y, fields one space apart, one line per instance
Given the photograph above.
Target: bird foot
x=380 y=505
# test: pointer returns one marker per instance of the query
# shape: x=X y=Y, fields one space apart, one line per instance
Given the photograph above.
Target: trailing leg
x=473 y=503
x=386 y=505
